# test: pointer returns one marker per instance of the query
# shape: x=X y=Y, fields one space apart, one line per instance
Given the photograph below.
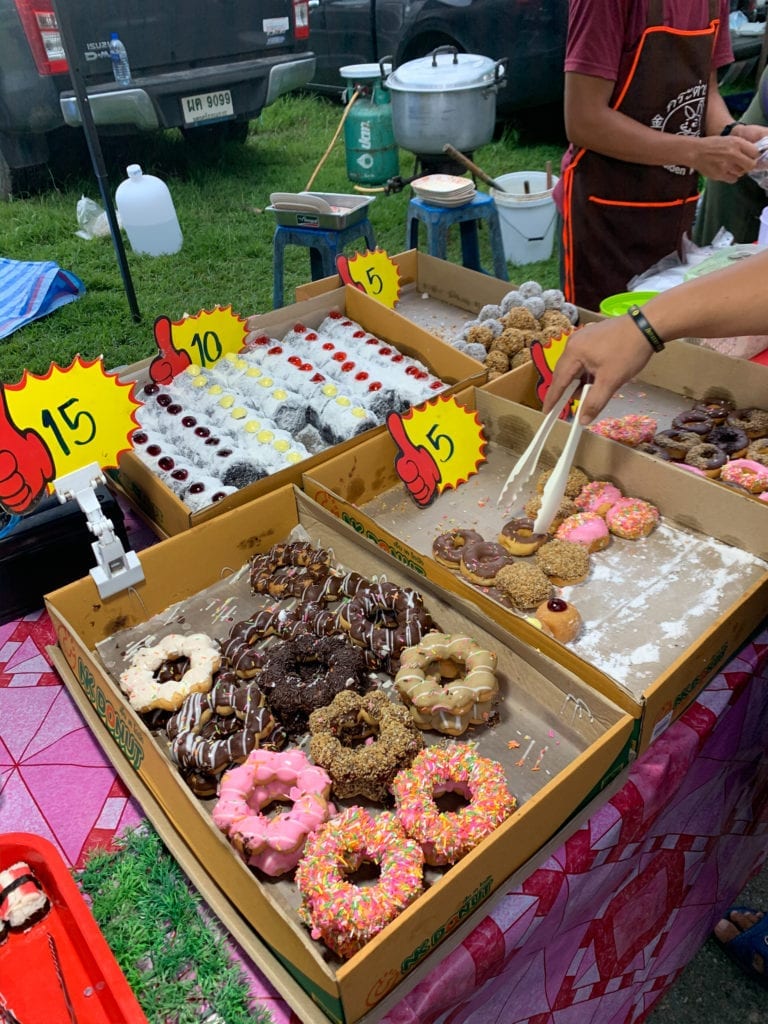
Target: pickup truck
x=205 y=66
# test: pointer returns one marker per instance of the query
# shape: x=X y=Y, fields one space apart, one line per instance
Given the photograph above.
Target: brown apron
x=620 y=218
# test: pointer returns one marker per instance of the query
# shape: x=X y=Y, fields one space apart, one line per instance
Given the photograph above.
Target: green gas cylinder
x=369 y=141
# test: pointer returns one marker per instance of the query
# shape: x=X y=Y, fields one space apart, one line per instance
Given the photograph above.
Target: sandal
x=748 y=948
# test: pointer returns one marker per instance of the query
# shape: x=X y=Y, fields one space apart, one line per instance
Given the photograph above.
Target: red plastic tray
x=97 y=988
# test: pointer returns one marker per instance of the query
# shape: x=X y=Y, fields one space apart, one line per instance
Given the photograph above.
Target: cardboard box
x=437 y=295
x=650 y=642
x=169 y=515
x=588 y=741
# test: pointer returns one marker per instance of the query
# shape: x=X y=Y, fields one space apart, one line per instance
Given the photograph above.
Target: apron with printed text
x=621 y=218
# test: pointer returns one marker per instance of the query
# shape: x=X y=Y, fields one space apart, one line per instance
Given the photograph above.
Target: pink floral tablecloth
x=593 y=936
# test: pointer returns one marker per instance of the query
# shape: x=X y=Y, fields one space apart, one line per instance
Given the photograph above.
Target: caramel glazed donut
x=448 y=682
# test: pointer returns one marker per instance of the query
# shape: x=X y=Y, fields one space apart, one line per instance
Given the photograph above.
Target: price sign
x=440 y=445
x=55 y=424
x=544 y=355
x=372 y=272
x=201 y=339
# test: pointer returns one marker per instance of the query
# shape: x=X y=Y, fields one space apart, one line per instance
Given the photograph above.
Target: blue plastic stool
x=438 y=219
x=324 y=245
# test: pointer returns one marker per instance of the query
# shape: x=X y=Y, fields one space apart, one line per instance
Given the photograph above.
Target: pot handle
x=500 y=71
x=383 y=61
x=444 y=49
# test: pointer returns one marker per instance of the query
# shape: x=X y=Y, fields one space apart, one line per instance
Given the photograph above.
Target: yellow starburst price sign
x=545 y=356
x=440 y=445
x=54 y=424
x=202 y=339
x=374 y=273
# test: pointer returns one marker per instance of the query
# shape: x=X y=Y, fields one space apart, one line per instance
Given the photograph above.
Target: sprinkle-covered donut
x=632 y=518
x=518 y=538
x=363 y=742
x=339 y=913
x=146 y=692
x=306 y=673
x=587 y=529
x=273 y=844
x=447 y=836
x=597 y=496
x=751 y=476
x=448 y=547
x=631 y=429
x=448 y=681
x=708 y=458
x=384 y=618
x=481 y=562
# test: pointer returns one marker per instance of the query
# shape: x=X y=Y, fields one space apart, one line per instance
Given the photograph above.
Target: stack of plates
x=444 y=189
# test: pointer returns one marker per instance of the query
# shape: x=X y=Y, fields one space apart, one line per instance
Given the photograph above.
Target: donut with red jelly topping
x=561 y=619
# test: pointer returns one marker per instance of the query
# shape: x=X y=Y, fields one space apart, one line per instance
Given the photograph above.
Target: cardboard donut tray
x=558 y=740
x=168 y=515
x=661 y=615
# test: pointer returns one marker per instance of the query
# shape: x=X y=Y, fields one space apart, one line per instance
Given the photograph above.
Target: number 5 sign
x=440 y=445
x=53 y=425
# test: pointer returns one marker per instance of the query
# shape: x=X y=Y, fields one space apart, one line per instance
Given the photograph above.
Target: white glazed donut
x=145 y=691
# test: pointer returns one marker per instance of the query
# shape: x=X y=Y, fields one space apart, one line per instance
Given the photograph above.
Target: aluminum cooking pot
x=446 y=96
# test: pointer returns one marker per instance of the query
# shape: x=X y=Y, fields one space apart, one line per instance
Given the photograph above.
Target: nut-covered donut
x=145 y=691
x=754 y=422
x=385 y=618
x=341 y=914
x=273 y=844
x=447 y=836
x=448 y=681
x=306 y=673
x=708 y=458
x=363 y=742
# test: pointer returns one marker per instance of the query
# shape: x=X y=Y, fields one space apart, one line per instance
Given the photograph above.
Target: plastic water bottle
x=147 y=213
x=120 y=66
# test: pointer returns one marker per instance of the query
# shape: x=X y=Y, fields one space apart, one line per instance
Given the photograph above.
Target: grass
x=220 y=194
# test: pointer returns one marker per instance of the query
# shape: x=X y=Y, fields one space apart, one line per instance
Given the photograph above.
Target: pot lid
x=440 y=71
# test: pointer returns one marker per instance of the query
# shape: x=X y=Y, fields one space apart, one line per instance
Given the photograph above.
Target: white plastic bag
x=92 y=220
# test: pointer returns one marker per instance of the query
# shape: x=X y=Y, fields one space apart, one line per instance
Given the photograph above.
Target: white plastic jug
x=762 y=238
x=147 y=212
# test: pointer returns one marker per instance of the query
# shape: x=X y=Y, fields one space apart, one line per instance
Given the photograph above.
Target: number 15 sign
x=55 y=424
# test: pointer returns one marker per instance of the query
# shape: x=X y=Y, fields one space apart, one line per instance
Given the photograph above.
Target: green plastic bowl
x=617 y=305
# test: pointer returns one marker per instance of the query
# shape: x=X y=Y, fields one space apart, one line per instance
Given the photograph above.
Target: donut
x=23 y=900
x=708 y=458
x=587 y=529
x=650 y=448
x=560 y=618
x=384 y=618
x=676 y=443
x=448 y=682
x=576 y=480
x=306 y=673
x=754 y=422
x=751 y=476
x=481 y=562
x=448 y=547
x=273 y=844
x=631 y=429
x=567 y=507
x=693 y=422
x=143 y=689
x=564 y=563
x=733 y=441
x=286 y=569
x=524 y=585
x=758 y=451
x=363 y=742
x=518 y=538
x=447 y=836
x=213 y=731
x=341 y=914
x=716 y=409
x=632 y=518
x=597 y=496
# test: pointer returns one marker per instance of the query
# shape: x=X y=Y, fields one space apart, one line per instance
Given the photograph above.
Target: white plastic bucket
x=527 y=218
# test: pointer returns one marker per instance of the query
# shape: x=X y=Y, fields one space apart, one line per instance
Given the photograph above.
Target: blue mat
x=31 y=290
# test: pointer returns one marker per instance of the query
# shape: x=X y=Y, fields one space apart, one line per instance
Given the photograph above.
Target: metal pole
x=97 y=157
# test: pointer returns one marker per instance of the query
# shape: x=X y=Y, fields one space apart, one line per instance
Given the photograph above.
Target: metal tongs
x=520 y=477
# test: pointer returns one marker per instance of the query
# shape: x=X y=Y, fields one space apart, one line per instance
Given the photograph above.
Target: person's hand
x=726 y=158
x=26 y=465
x=609 y=353
x=414 y=464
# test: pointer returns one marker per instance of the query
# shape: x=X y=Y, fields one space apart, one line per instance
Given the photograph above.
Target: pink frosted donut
x=632 y=429
x=585 y=528
x=273 y=844
x=632 y=518
x=597 y=496
x=745 y=473
x=446 y=836
x=343 y=915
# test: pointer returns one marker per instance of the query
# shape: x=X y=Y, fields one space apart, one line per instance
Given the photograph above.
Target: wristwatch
x=729 y=128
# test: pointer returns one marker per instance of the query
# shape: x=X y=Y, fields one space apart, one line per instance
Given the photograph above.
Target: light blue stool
x=324 y=245
x=438 y=219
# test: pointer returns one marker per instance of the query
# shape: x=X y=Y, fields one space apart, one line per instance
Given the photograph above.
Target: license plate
x=207 y=106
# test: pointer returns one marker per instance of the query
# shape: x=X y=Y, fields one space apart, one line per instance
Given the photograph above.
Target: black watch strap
x=729 y=128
